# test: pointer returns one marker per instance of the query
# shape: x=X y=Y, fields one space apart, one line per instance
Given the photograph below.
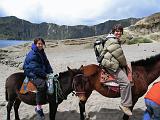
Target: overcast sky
x=76 y=12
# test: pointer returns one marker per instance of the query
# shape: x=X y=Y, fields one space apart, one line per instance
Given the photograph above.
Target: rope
x=58 y=91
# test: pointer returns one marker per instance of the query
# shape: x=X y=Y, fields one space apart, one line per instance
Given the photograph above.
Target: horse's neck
x=153 y=72
x=66 y=86
x=90 y=70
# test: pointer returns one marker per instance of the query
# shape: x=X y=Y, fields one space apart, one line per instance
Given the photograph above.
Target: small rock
x=2 y=104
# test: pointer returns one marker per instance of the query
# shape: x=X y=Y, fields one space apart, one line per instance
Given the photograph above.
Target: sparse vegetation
x=89 y=46
x=139 y=40
x=75 y=42
x=155 y=36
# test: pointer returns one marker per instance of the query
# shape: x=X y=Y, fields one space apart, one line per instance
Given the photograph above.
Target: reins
x=58 y=91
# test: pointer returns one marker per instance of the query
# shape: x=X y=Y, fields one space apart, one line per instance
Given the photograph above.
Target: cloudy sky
x=76 y=12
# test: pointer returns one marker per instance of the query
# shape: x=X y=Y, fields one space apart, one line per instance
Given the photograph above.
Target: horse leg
x=83 y=114
x=126 y=117
x=9 y=107
x=52 y=109
x=16 y=106
x=82 y=102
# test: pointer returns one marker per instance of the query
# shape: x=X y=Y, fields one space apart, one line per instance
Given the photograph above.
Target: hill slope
x=148 y=27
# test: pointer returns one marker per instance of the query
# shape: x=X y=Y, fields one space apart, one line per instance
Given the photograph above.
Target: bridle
x=78 y=91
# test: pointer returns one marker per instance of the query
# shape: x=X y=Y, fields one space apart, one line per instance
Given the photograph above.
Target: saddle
x=108 y=79
x=27 y=86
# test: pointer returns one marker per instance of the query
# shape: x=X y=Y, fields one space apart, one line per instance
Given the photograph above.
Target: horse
x=14 y=98
x=144 y=72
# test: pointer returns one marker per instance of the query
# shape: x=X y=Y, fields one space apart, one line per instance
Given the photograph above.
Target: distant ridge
x=12 y=27
x=147 y=25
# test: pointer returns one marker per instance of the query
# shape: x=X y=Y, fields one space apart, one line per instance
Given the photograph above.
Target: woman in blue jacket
x=36 y=67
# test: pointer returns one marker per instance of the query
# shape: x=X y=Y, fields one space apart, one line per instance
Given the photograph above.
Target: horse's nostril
x=82 y=98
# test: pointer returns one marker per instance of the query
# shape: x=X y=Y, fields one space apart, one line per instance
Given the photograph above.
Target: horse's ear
x=69 y=69
x=81 y=67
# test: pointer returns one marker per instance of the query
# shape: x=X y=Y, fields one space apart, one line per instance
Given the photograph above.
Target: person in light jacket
x=36 y=67
x=113 y=60
x=152 y=101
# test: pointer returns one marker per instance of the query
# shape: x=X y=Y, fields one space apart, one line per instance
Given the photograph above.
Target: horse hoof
x=87 y=117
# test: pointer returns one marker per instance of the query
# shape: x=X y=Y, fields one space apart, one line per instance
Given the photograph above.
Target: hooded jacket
x=36 y=63
x=112 y=54
x=154 y=93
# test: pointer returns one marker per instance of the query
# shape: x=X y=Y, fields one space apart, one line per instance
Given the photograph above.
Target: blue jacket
x=36 y=64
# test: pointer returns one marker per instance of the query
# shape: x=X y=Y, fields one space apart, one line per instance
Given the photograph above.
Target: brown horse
x=14 y=83
x=144 y=73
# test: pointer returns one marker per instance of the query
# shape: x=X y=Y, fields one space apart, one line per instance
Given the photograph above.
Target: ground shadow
x=103 y=114
x=114 y=114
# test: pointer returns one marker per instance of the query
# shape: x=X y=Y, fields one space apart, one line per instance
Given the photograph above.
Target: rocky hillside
x=148 y=27
x=15 y=28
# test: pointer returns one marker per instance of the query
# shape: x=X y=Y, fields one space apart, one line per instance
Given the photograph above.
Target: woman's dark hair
x=39 y=39
x=117 y=27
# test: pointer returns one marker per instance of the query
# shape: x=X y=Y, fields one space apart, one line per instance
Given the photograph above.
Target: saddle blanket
x=27 y=86
x=110 y=80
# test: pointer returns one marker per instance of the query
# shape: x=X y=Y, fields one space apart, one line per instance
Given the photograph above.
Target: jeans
x=125 y=88
x=152 y=111
x=41 y=90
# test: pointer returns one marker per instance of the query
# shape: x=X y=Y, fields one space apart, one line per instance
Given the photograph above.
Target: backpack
x=98 y=47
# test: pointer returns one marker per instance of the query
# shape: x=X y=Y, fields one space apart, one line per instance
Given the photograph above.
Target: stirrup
x=111 y=83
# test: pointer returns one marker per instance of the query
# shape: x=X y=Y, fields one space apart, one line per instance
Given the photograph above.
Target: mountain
x=14 y=28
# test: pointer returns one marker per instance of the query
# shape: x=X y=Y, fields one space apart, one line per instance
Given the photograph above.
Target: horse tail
x=6 y=94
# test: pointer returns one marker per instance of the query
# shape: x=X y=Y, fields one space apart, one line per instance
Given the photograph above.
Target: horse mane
x=63 y=75
x=147 y=61
x=64 y=72
x=90 y=69
x=67 y=71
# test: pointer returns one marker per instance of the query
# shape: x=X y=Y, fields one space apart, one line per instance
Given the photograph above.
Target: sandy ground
x=98 y=107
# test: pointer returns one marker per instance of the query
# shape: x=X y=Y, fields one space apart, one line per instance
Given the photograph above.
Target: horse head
x=66 y=78
x=81 y=86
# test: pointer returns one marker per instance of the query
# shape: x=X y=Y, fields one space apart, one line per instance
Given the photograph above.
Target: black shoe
x=40 y=114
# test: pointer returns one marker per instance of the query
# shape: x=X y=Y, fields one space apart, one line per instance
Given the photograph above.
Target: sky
x=77 y=12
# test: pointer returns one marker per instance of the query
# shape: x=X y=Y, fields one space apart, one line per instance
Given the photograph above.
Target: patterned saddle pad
x=110 y=80
x=27 y=86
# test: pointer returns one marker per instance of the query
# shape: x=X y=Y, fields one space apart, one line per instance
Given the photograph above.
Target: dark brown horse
x=144 y=73
x=14 y=83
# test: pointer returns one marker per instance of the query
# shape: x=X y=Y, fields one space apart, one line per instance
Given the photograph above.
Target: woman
x=36 y=67
x=113 y=60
